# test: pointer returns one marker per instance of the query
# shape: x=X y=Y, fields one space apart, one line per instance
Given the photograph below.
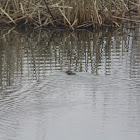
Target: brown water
x=39 y=101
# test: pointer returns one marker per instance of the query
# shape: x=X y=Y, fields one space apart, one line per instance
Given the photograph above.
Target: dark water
x=39 y=101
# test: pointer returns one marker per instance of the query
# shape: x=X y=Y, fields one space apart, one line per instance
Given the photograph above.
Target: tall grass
x=69 y=13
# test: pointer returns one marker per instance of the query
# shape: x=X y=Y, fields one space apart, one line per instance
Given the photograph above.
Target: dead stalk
x=75 y=14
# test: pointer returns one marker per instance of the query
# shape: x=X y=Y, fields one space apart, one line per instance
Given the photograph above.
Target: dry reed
x=69 y=13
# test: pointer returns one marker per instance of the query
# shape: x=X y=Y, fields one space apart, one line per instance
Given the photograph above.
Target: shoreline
x=69 y=14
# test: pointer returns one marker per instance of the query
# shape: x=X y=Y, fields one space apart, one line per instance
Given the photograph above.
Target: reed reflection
x=33 y=55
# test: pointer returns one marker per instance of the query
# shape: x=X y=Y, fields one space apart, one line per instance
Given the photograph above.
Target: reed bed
x=69 y=13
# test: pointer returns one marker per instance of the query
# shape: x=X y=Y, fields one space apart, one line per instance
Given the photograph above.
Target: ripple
x=38 y=99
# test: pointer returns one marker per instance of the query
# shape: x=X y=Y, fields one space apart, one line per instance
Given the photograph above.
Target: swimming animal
x=69 y=72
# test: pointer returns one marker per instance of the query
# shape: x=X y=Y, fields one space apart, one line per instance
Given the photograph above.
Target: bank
x=69 y=13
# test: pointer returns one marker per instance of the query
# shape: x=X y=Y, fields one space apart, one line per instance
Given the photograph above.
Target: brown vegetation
x=69 y=13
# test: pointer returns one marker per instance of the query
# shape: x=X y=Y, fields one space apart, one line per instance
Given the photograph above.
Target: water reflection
x=36 y=53
x=38 y=100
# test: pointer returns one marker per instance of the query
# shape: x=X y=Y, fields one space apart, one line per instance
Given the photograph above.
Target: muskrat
x=69 y=72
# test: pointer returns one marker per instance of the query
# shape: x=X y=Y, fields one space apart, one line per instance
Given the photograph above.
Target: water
x=39 y=101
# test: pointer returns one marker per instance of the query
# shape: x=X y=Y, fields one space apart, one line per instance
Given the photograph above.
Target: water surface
x=39 y=101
